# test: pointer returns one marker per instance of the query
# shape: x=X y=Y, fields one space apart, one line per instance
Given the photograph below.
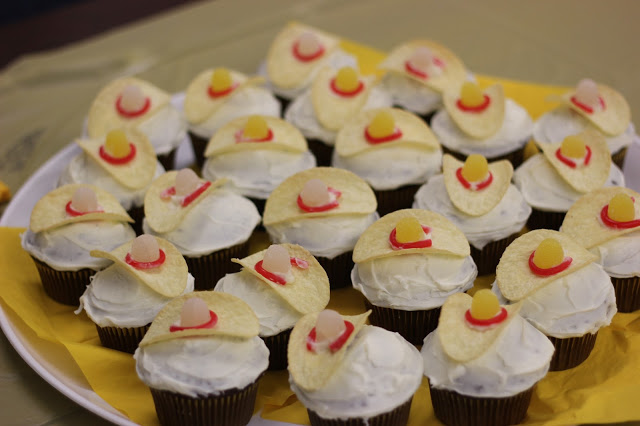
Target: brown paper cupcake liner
x=515 y=157
x=208 y=269
x=338 y=269
x=487 y=259
x=572 y=351
x=540 y=219
x=454 y=409
x=64 y=287
x=618 y=157
x=627 y=293
x=168 y=160
x=321 y=151
x=199 y=144
x=137 y=214
x=397 y=417
x=232 y=407
x=395 y=199
x=412 y=325
x=121 y=338
x=277 y=346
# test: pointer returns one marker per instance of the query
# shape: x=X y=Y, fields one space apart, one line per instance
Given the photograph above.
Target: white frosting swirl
x=506 y=218
x=620 y=257
x=514 y=134
x=518 y=359
x=413 y=281
x=66 y=248
x=410 y=94
x=327 y=236
x=115 y=298
x=223 y=219
x=273 y=312
x=544 y=189
x=380 y=372
x=166 y=129
x=201 y=366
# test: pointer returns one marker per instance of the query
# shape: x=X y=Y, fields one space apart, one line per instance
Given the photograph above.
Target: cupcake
x=607 y=223
x=217 y=96
x=406 y=265
x=335 y=97
x=480 y=200
x=565 y=170
x=65 y=225
x=122 y=163
x=123 y=299
x=394 y=151
x=207 y=223
x=483 y=361
x=256 y=154
x=296 y=285
x=564 y=293
x=202 y=359
x=323 y=210
x=348 y=373
x=482 y=122
x=590 y=106
x=131 y=103
x=418 y=73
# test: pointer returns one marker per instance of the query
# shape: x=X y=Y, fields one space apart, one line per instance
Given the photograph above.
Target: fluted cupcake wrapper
x=122 y=339
x=454 y=409
x=627 y=293
x=338 y=269
x=277 y=346
x=137 y=214
x=412 y=325
x=395 y=199
x=64 y=287
x=321 y=151
x=168 y=160
x=487 y=259
x=397 y=417
x=541 y=219
x=232 y=407
x=618 y=157
x=515 y=157
x=208 y=269
x=199 y=144
x=572 y=351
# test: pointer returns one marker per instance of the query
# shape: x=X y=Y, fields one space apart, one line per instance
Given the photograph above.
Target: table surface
x=44 y=97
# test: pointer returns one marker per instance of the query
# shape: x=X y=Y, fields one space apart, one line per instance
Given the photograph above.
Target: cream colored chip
x=583 y=178
x=283 y=68
x=351 y=139
x=312 y=370
x=453 y=73
x=461 y=341
x=169 y=279
x=50 y=211
x=357 y=197
x=199 y=106
x=165 y=214
x=472 y=202
x=481 y=124
x=513 y=275
x=135 y=174
x=446 y=238
x=286 y=137
x=333 y=110
x=103 y=115
x=583 y=222
x=309 y=290
x=234 y=319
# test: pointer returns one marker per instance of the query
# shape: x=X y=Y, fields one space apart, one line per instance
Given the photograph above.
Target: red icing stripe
x=295 y=49
x=397 y=134
x=545 y=272
x=73 y=212
x=587 y=108
x=146 y=265
x=473 y=186
x=336 y=344
x=478 y=108
x=354 y=92
x=240 y=138
x=213 y=320
x=323 y=208
x=414 y=244
x=421 y=74
x=132 y=114
x=604 y=215
x=500 y=316
x=195 y=194
x=571 y=163
x=117 y=161
x=213 y=94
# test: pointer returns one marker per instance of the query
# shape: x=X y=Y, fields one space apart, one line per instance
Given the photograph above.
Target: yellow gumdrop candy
x=256 y=128
x=471 y=95
x=475 y=168
x=548 y=254
x=621 y=208
x=382 y=125
x=221 y=80
x=347 y=79
x=408 y=230
x=116 y=144
x=484 y=305
x=573 y=147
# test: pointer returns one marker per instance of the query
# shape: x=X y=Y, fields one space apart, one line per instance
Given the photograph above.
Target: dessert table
x=44 y=97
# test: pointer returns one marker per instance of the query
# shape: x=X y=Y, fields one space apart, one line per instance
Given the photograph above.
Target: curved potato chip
x=481 y=124
x=312 y=370
x=357 y=197
x=445 y=237
x=235 y=319
x=309 y=290
x=513 y=275
x=50 y=210
x=472 y=202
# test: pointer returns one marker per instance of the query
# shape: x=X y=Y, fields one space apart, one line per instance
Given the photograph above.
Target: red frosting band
x=587 y=108
x=414 y=244
x=545 y=272
x=604 y=215
x=571 y=163
x=323 y=208
x=357 y=90
x=213 y=94
x=299 y=263
x=132 y=114
x=397 y=134
x=146 y=265
x=113 y=160
x=473 y=186
x=336 y=344
x=240 y=137
x=295 y=49
x=213 y=320
x=500 y=316
x=478 y=108
x=421 y=74
x=73 y=212
x=195 y=194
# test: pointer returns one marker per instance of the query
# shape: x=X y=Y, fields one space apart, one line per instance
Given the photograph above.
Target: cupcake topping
x=475 y=174
x=409 y=234
x=132 y=102
x=549 y=259
x=422 y=63
x=116 y=149
x=187 y=188
x=587 y=97
x=255 y=130
x=620 y=213
x=478 y=114
x=195 y=314
x=145 y=253
x=346 y=82
x=472 y=99
x=330 y=333
x=276 y=265
x=316 y=196
x=574 y=152
x=307 y=47
x=485 y=310
x=382 y=128
x=221 y=83
x=83 y=201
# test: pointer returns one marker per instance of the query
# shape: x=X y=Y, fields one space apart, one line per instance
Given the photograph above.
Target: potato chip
x=446 y=238
x=307 y=292
x=481 y=124
x=357 y=197
x=235 y=319
x=312 y=370
x=513 y=275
